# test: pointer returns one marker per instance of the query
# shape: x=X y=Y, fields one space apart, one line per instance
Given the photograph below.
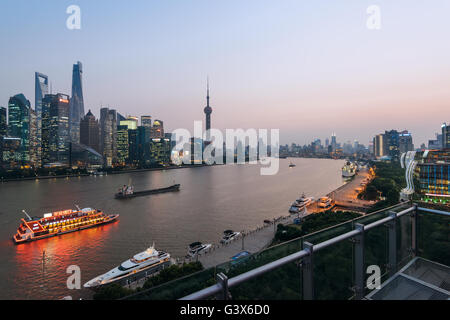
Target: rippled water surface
x=211 y=200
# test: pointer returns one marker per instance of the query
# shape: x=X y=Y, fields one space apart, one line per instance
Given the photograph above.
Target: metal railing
x=221 y=289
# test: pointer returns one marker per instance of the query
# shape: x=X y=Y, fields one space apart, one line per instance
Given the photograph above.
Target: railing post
x=308 y=274
x=392 y=244
x=414 y=217
x=359 y=262
x=222 y=280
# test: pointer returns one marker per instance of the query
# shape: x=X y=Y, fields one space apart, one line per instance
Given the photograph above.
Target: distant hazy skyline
x=309 y=68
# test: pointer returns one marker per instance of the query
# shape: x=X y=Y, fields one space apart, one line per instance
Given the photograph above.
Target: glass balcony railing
x=335 y=269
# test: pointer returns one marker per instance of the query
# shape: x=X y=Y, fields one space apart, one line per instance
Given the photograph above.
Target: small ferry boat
x=229 y=235
x=196 y=248
x=60 y=222
x=325 y=202
x=149 y=261
x=127 y=191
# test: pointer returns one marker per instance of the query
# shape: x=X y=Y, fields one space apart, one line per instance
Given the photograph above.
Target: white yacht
x=303 y=201
x=348 y=170
x=196 y=248
x=148 y=261
x=229 y=235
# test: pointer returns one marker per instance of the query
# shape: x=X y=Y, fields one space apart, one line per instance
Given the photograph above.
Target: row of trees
x=388 y=182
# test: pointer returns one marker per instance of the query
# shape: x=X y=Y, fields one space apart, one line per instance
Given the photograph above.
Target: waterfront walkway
x=252 y=241
x=259 y=238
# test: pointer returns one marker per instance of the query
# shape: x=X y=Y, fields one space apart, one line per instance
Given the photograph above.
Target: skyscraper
x=108 y=136
x=55 y=129
x=76 y=103
x=19 y=124
x=40 y=90
x=405 y=142
x=333 y=142
x=131 y=122
x=146 y=121
x=157 y=131
x=122 y=145
x=393 y=144
x=379 y=146
x=3 y=122
x=445 y=136
x=208 y=111
x=3 y=130
x=90 y=131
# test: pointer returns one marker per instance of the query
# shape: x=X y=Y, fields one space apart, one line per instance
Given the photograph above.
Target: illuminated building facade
x=130 y=122
x=55 y=129
x=19 y=109
x=157 y=131
x=392 y=139
x=90 y=131
x=146 y=121
x=10 y=156
x=405 y=142
x=445 y=136
x=379 y=146
x=40 y=90
x=433 y=170
x=108 y=136
x=159 y=151
x=122 y=145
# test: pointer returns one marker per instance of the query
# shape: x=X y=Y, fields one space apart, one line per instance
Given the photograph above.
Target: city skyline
x=261 y=75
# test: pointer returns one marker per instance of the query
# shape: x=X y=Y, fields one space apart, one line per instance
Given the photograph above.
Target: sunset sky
x=308 y=68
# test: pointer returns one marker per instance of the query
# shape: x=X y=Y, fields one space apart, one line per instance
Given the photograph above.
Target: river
x=211 y=200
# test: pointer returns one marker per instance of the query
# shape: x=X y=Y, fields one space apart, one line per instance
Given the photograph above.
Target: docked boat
x=196 y=248
x=127 y=191
x=60 y=222
x=149 y=261
x=229 y=235
x=325 y=202
x=348 y=170
x=303 y=201
x=300 y=204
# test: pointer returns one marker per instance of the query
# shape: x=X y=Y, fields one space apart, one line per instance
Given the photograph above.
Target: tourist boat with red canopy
x=60 y=222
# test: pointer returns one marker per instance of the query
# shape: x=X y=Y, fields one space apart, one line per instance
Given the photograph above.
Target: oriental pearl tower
x=208 y=111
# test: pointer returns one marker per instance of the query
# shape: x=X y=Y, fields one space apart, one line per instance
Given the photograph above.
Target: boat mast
x=29 y=218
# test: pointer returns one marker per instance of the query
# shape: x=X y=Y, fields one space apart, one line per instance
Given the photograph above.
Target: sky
x=307 y=68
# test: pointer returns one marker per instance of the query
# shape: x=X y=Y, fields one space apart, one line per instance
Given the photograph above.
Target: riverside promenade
x=252 y=241
x=259 y=238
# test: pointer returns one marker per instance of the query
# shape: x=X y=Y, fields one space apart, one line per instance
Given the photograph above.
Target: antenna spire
x=207 y=90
